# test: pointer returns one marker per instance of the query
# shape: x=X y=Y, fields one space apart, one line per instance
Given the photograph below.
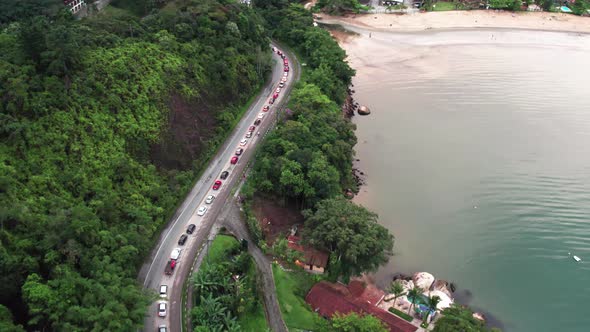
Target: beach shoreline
x=463 y=19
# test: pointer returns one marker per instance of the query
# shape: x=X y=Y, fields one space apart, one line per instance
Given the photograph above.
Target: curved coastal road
x=152 y=272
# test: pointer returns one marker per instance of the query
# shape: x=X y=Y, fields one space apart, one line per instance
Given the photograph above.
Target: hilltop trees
x=84 y=105
x=351 y=234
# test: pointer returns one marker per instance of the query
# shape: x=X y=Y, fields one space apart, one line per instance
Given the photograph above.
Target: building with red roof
x=328 y=299
x=313 y=260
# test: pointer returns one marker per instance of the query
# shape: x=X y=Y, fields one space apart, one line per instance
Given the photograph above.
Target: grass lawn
x=219 y=248
x=401 y=314
x=443 y=6
x=290 y=285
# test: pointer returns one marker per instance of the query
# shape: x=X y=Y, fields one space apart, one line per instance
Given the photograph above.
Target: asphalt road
x=152 y=272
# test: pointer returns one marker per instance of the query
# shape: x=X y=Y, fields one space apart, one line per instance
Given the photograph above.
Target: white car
x=162 y=309
x=283 y=80
x=281 y=84
x=162 y=328
x=260 y=115
x=209 y=199
x=163 y=290
x=243 y=142
x=249 y=134
x=202 y=210
x=278 y=90
x=175 y=253
x=285 y=74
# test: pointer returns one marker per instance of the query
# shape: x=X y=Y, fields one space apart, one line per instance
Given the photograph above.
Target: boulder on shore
x=364 y=110
x=443 y=286
x=479 y=316
x=423 y=280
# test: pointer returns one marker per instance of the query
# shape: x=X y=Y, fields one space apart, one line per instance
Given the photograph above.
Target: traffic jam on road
x=243 y=145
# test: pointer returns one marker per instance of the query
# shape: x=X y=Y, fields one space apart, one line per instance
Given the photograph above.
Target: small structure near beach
x=423 y=280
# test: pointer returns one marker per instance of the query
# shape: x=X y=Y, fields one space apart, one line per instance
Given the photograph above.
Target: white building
x=74 y=5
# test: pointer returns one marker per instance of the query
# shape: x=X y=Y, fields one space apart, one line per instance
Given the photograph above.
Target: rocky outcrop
x=480 y=316
x=443 y=286
x=364 y=110
x=423 y=280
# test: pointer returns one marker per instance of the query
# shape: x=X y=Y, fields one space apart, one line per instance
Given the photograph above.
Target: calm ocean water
x=477 y=156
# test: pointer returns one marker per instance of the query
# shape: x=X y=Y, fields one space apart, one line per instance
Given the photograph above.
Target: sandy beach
x=467 y=19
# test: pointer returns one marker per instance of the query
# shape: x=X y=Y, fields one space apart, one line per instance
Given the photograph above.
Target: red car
x=252 y=128
x=216 y=185
x=234 y=160
x=265 y=108
x=286 y=62
x=275 y=96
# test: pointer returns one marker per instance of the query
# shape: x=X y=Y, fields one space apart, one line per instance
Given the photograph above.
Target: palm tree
x=413 y=296
x=431 y=304
x=397 y=290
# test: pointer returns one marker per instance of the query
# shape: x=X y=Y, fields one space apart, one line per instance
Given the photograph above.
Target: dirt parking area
x=274 y=218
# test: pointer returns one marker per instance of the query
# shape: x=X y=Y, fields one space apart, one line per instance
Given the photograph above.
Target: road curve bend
x=152 y=274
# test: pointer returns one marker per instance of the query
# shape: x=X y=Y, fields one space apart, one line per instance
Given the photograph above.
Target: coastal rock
x=401 y=276
x=364 y=110
x=480 y=316
x=443 y=286
x=423 y=280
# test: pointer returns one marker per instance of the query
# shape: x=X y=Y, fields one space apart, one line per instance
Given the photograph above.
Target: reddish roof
x=328 y=299
x=310 y=255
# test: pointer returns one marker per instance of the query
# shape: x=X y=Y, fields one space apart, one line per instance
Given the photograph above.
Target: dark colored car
x=234 y=160
x=286 y=68
x=224 y=175
x=239 y=151
x=271 y=101
x=216 y=185
x=190 y=229
x=182 y=239
x=257 y=122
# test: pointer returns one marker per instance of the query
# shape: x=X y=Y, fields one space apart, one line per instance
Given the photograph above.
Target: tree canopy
x=351 y=233
x=85 y=106
x=459 y=318
x=352 y=322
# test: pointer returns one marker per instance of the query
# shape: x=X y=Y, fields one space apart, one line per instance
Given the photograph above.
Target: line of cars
x=175 y=254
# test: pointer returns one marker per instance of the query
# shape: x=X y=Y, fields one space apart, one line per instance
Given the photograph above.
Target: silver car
x=202 y=210
x=209 y=199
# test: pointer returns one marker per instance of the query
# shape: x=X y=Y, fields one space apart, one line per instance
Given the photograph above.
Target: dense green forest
x=307 y=160
x=103 y=122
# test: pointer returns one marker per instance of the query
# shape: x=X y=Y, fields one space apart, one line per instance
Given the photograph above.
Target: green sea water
x=477 y=158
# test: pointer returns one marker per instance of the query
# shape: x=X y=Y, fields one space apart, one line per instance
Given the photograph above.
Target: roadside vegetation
x=104 y=123
x=307 y=160
x=225 y=293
